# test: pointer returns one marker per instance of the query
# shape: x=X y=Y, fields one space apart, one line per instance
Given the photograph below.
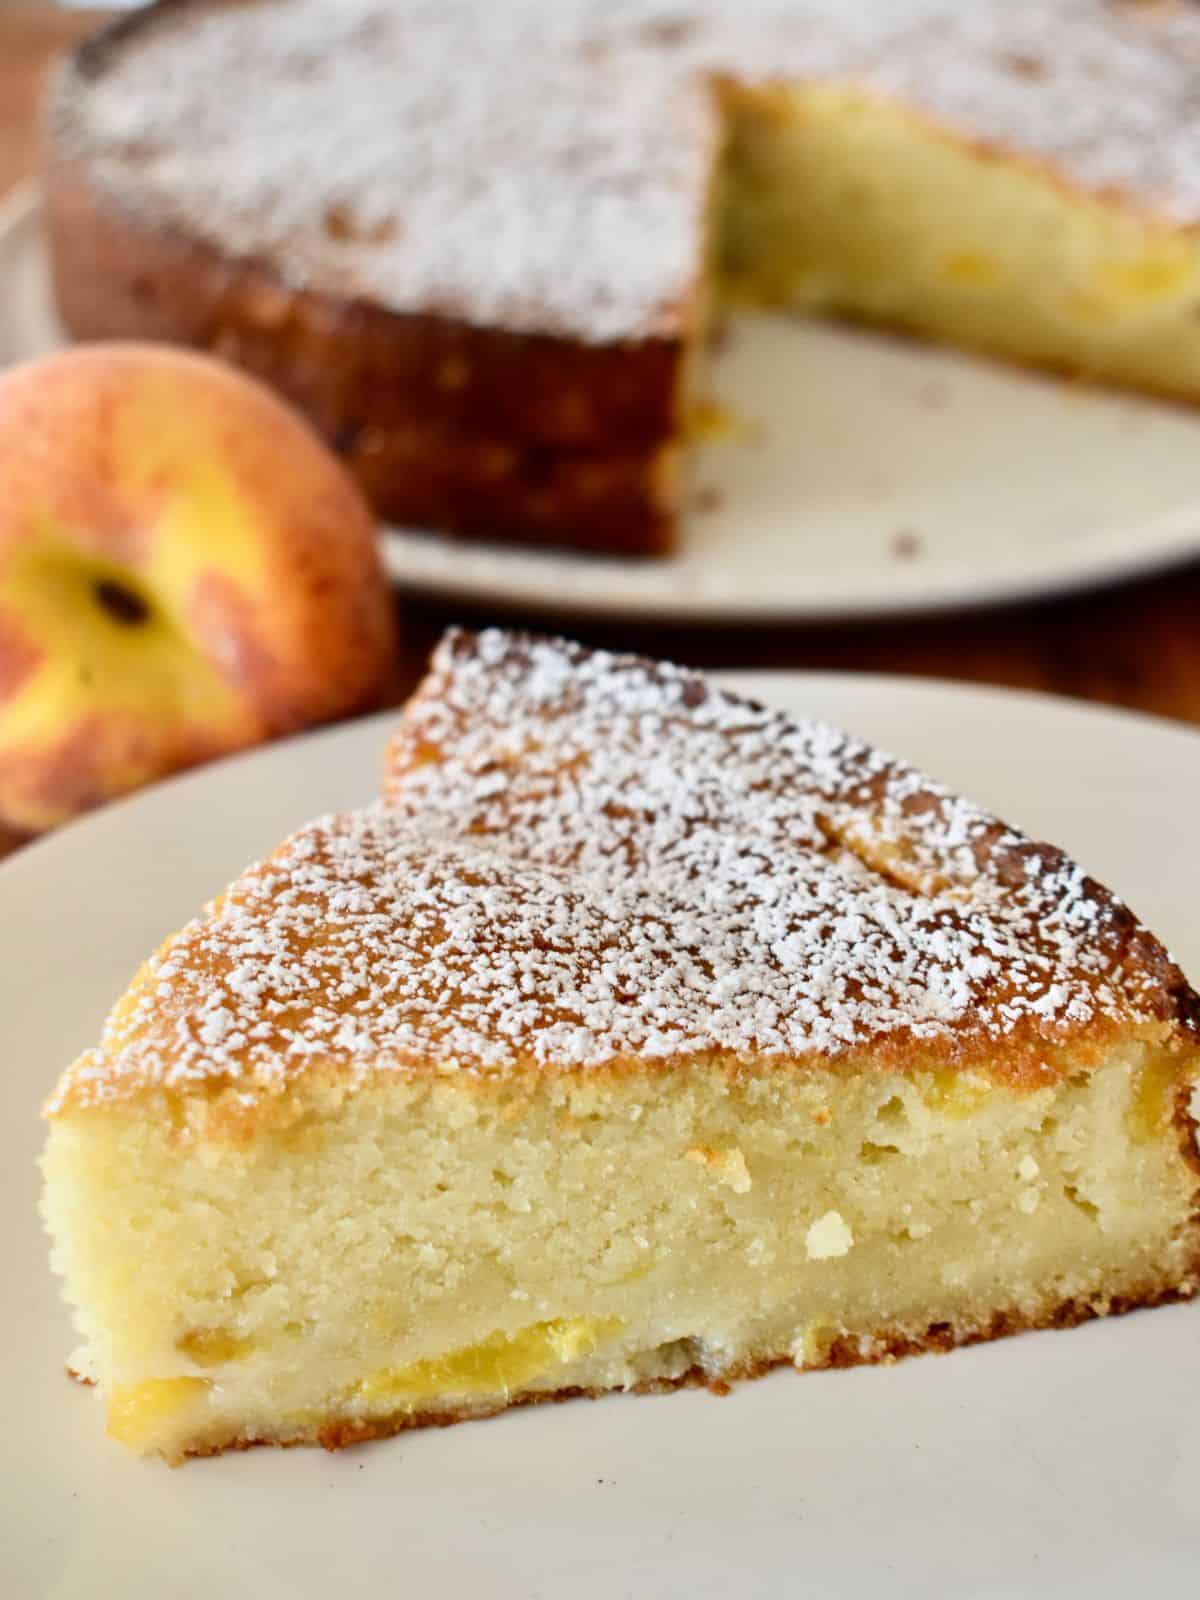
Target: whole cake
x=645 y=1037
x=481 y=243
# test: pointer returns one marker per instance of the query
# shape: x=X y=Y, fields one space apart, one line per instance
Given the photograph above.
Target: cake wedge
x=643 y=1036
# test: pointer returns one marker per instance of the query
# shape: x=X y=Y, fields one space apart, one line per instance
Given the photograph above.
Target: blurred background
x=1134 y=643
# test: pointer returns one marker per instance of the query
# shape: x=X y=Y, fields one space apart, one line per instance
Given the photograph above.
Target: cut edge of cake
x=1074 y=254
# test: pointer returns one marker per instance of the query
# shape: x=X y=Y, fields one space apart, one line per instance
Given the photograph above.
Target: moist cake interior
x=832 y=200
x=415 y=1252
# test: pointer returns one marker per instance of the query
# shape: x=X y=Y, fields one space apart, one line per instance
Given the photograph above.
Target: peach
x=185 y=570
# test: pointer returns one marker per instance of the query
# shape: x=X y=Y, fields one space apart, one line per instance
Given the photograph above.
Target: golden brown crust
x=226 y=1114
x=545 y=712
x=474 y=431
x=911 y=931
x=884 y=1347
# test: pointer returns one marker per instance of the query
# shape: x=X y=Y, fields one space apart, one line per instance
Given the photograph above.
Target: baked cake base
x=357 y=1259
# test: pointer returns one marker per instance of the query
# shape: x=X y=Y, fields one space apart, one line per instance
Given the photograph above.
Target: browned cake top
x=591 y=860
x=544 y=165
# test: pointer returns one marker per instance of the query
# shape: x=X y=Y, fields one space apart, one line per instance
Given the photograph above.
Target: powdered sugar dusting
x=544 y=165
x=588 y=858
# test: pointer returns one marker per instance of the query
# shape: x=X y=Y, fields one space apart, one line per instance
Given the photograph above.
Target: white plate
x=1053 y=1464
x=1003 y=484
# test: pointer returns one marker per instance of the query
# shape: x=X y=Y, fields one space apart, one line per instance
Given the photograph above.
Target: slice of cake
x=488 y=281
x=646 y=1036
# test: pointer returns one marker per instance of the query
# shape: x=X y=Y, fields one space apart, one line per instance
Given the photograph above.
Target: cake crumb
x=906 y=544
x=828 y=1237
x=728 y=1166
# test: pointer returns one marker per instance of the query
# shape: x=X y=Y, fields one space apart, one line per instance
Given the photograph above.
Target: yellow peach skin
x=185 y=570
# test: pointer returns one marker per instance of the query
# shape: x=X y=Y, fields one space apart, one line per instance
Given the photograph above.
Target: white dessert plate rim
x=1053 y=1464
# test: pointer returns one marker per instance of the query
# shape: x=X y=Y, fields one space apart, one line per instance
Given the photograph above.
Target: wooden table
x=1137 y=645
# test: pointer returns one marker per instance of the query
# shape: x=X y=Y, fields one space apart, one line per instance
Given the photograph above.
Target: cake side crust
x=443 y=423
